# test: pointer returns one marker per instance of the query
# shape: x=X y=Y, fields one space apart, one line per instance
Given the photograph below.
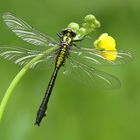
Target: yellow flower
x=109 y=55
x=107 y=45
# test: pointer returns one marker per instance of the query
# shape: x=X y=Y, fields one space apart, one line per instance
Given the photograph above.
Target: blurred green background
x=75 y=112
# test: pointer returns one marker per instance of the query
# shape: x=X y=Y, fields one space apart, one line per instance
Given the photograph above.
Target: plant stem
x=18 y=77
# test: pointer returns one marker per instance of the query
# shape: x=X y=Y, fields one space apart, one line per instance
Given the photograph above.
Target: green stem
x=17 y=78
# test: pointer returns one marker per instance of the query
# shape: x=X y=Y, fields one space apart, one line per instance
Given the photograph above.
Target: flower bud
x=90 y=18
x=97 y=24
x=82 y=31
x=74 y=26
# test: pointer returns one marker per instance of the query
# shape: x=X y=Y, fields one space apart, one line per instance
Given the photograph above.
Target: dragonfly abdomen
x=43 y=107
x=61 y=56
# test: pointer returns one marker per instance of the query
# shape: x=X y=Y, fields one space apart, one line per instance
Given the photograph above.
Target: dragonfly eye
x=73 y=34
x=69 y=31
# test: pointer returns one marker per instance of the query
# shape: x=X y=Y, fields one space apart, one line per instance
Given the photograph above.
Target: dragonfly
x=76 y=60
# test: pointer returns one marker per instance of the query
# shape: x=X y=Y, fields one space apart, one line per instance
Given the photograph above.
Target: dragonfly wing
x=94 y=56
x=89 y=75
x=26 y=32
x=22 y=56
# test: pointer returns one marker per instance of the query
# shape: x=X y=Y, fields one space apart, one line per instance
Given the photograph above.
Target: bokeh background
x=75 y=112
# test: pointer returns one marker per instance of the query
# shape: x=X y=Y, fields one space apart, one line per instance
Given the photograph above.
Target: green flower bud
x=92 y=26
x=90 y=18
x=82 y=31
x=97 y=23
x=74 y=26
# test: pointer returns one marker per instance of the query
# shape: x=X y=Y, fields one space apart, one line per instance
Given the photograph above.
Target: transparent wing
x=26 y=32
x=89 y=75
x=23 y=56
x=94 y=56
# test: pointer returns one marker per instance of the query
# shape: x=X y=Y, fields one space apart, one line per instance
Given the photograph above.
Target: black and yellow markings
x=65 y=43
x=61 y=56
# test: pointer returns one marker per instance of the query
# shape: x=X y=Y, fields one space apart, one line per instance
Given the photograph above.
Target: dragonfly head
x=68 y=32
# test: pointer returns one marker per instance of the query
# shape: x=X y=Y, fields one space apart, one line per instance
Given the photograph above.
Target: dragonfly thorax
x=66 y=43
x=67 y=37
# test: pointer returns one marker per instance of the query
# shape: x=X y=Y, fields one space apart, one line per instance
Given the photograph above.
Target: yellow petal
x=106 y=42
x=110 y=55
x=107 y=46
